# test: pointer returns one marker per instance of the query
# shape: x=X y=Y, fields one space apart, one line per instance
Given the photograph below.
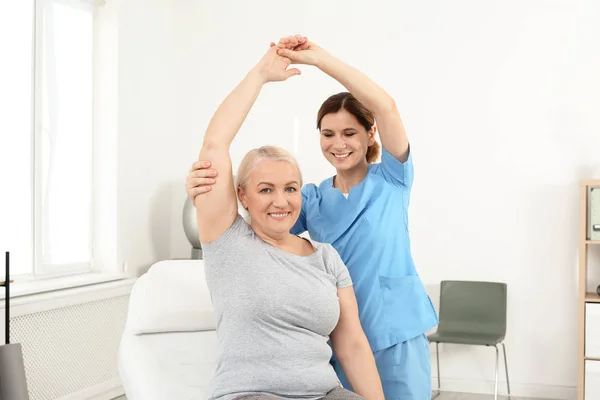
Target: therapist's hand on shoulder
x=200 y=179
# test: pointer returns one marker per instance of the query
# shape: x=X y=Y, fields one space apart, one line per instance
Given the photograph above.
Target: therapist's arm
x=371 y=95
x=353 y=351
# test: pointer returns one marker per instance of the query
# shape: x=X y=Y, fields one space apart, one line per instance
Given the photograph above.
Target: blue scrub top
x=369 y=229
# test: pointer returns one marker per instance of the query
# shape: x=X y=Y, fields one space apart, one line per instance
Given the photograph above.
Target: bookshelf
x=588 y=386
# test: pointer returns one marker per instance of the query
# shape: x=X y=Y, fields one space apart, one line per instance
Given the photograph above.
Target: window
x=47 y=136
x=16 y=35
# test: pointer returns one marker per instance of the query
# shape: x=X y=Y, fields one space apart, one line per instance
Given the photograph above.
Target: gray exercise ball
x=190 y=226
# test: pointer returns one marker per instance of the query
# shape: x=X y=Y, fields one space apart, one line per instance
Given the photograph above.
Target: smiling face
x=344 y=141
x=272 y=197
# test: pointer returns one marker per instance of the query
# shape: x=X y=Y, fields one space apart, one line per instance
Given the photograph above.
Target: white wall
x=500 y=102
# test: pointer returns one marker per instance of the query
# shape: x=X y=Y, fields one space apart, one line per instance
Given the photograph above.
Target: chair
x=472 y=313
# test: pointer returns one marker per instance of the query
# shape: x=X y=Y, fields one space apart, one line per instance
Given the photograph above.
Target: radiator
x=70 y=340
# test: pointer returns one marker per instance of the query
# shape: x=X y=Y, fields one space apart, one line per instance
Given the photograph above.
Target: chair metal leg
x=506 y=368
x=437 y=359
x=496 y=377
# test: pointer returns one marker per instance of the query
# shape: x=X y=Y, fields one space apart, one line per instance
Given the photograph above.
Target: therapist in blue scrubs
x=363 y=212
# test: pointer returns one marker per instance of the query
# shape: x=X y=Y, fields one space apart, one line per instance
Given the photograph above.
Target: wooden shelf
x=591 y=297
x=585 y=297
x=590 y=182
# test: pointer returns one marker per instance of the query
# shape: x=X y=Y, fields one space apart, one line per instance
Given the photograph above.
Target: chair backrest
x=473 y=307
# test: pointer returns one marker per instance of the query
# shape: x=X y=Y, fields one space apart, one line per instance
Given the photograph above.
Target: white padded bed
x=169 y=347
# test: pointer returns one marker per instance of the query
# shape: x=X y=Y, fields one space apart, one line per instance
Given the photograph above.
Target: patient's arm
x=352 y=349
x=217 y=210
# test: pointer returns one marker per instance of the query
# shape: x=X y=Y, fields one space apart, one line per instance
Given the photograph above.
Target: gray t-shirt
x=275 y=311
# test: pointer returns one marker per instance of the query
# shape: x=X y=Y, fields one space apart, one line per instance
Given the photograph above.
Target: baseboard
x=518 y=390
x=105 y=391
x=113 y=389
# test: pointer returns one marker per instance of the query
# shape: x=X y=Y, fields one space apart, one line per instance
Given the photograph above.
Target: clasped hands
x=296 y=49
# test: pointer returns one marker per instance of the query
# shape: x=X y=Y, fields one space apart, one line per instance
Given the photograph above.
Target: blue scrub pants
x=405 y=370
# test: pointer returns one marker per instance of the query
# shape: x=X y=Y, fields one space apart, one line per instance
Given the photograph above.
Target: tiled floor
x=473 y=396
x=453 y=396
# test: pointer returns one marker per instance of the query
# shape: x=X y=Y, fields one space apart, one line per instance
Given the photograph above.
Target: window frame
x=105 y=251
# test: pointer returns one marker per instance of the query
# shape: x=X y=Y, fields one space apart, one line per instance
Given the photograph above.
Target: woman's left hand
x=273 y=67
x=300 y=50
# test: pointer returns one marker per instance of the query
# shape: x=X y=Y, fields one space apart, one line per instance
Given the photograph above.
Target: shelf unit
x=586 y=299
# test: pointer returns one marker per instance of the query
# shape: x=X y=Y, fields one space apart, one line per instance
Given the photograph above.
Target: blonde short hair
x=256 y=156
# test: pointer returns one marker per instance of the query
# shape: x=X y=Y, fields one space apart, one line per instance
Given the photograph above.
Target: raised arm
x=391 y=129
x=217 y=209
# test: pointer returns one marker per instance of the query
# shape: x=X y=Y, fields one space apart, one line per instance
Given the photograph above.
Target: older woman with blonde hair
x=278 y=298
x=362 y=211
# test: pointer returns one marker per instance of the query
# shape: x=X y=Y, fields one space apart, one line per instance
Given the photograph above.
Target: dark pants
x=335 y=394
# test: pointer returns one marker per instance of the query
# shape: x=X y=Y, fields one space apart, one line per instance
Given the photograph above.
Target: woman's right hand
x=200 y=179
